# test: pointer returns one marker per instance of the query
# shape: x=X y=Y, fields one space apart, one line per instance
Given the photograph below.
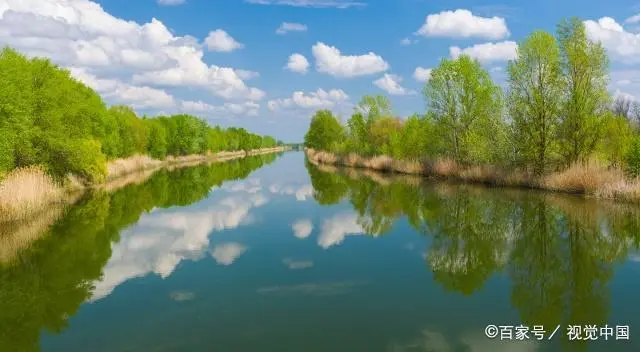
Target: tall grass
x=120 y=167
x=25 y=191
x=588 y=178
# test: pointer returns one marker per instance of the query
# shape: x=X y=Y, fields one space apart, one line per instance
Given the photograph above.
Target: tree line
x=50 y=119
x=554 y=112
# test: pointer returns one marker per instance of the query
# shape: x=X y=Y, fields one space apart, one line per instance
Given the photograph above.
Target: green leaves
x=584 y=65
x=535 y=98
x=49 y=118
x=466 y=106
x=325 y=132
x=633 y=157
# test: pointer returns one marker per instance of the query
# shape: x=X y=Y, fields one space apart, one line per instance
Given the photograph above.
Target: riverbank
x=589 y=179
x=26 y=192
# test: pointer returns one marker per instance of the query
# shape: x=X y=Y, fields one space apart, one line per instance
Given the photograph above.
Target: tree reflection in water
x=558 y=251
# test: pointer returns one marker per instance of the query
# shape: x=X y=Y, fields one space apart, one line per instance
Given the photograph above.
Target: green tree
x=384 y=134
x=325 y=132
x=374 y=107
x=535 y=93
x=50 y=119
x=466 y=106
x=15 y=108
x=584 y=64
x=417 y=139
x=157 y=141
x=633 y=157
x=358 y=132
x=617 y=136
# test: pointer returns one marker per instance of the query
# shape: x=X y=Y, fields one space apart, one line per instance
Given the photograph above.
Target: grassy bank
x=591 y=179
x=28 y=191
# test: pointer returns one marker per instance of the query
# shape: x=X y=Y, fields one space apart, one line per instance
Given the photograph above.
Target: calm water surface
x=272 y=254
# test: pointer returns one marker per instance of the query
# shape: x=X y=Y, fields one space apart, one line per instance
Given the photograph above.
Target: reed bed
x=121 y=167
x=25 y=192
x=589 y=178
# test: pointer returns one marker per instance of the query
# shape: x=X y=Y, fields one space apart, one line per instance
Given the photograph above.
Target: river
x=271 y=253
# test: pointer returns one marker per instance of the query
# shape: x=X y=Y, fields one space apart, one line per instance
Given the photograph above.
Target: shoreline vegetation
x=58 y=137
x=571 y=205
x=128 y=197
x=30 y=191
x=589 y=179
x=553 y=125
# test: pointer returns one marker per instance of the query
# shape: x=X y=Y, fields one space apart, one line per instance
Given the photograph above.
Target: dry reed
x=446 y=167
x=25 y=191
x=121 y=167
x=589 y=178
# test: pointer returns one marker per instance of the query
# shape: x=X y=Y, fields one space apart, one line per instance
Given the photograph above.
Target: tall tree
x=374 y=107
x=325 y=131
x=467 y=107
x=535 y=90
x=585 y=66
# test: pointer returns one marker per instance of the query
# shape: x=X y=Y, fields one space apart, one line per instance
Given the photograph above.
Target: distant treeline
x=48 y=118
x=555 y=112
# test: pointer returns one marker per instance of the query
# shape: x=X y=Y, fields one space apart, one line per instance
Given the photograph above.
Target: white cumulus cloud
x=488 y=52
x=313 y=100
x=298 y=63
x=422 y=74
x=330 y=60
x=391 y=84
x=633 y=19
x=247 y=108
x=246 y=74
x=221 y=41
x=621 y=45
x=287 y=27
x=463 y=24
x=139 y=97
x=80 y=34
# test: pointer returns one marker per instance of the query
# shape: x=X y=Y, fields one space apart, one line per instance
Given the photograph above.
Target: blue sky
x=223 y=60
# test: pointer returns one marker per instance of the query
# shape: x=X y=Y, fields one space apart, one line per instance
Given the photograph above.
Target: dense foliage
x=49 y=118
x=555 y=111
